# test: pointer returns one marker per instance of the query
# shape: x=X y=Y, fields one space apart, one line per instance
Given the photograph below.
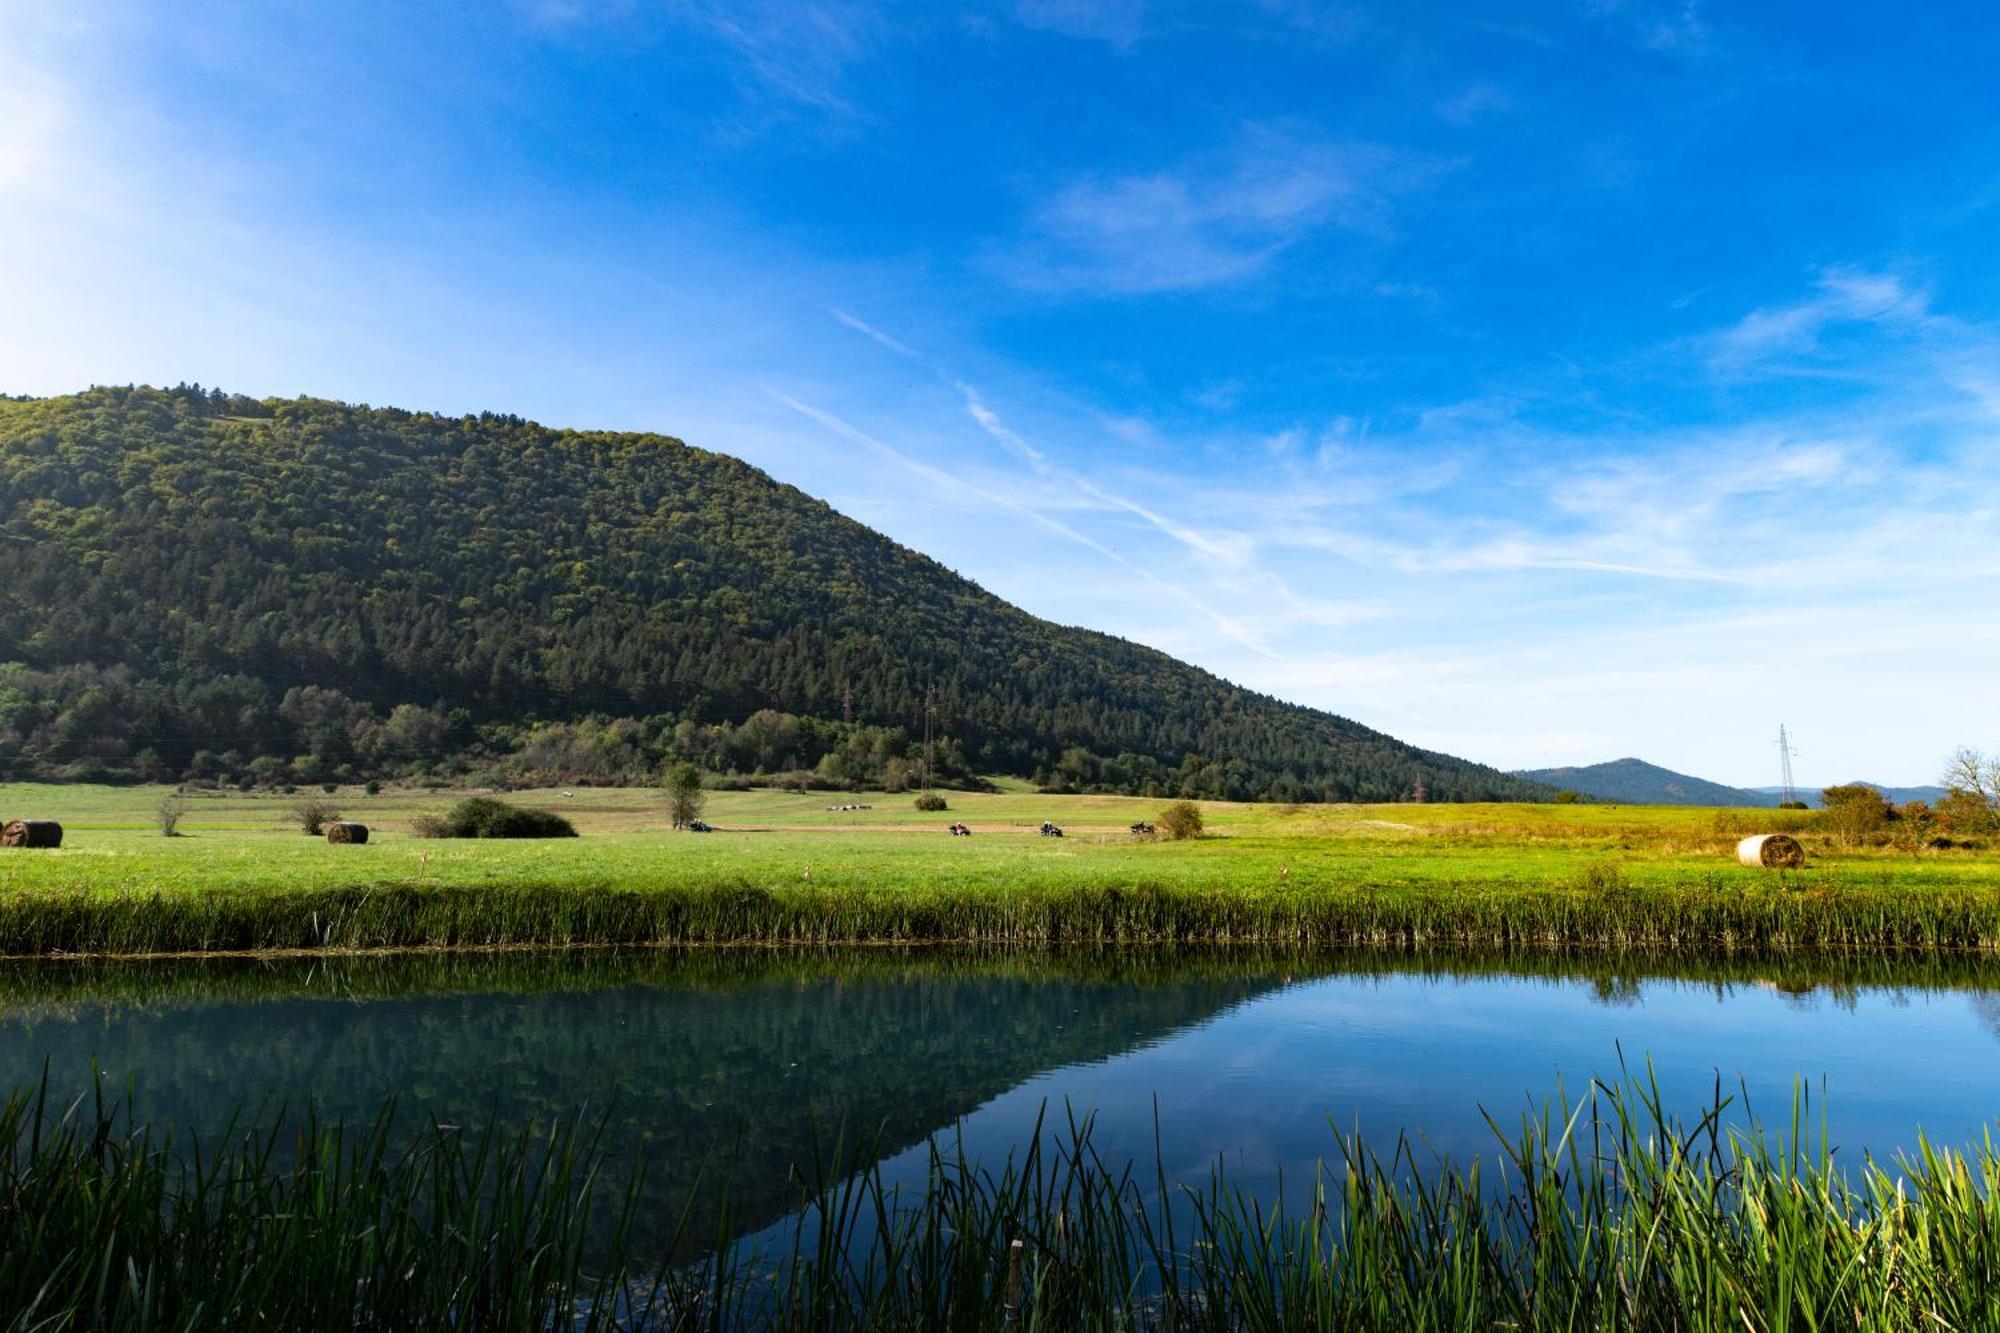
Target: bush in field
x=1962 y=813
x=930 y=803
x=1568 y=796
x=313 y=815
x=1855 y=813
x=484 y=817
x=429 y=826
x=1180 y=820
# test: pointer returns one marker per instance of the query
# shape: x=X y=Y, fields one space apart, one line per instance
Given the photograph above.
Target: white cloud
x=1208 y=223
x=1118 y=22
x=1475 y=102
x=799 y=51
x=939 y=477
x=862 y=327
x=1843 y=296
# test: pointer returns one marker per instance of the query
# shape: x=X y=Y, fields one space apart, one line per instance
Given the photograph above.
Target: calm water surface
x=740 y=1061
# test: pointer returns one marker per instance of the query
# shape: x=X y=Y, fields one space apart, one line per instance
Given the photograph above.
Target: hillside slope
x=1636 y=782
x=194 y=582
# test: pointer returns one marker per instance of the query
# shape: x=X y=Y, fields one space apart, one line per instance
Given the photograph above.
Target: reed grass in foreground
x=1608 y=1214
x=1593 y=910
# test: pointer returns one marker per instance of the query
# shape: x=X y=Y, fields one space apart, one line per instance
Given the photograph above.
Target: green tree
x=1855 y=812
x=684 y=794
x=1965 y=814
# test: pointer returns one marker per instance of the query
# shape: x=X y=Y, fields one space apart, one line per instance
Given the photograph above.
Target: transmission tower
x=1785 y=753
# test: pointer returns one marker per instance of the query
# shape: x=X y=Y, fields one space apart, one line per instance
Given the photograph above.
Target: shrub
x=1179 y=821
x=930 y=803
x=372 y=787
x=313 y=815
x=428 y=826
x=484 y=817
x=1568 y=796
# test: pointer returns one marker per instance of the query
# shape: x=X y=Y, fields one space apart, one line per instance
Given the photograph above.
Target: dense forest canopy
x=194 y=584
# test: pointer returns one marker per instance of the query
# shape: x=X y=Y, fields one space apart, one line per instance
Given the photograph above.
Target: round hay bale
x=31 y=833
x=1771 y=851
x=346 y=831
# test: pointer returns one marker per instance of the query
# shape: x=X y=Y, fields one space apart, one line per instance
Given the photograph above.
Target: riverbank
x=785 y=869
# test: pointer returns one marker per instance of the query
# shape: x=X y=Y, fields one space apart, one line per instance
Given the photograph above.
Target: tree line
x=1967 y=814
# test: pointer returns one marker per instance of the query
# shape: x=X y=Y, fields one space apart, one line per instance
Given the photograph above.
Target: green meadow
x=784 y=867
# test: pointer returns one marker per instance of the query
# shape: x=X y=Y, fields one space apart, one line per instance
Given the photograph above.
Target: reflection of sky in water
x=1261 y=1086
x=1243 y=1067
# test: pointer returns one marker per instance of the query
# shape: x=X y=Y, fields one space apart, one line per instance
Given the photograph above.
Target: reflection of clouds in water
x=1986 y=1008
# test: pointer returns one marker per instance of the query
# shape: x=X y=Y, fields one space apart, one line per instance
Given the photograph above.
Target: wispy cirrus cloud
x=1843 y=296
x=797 y=51
x=1118 y=22
x=1209 y=222
x=1674 y=27
x=1230 y=626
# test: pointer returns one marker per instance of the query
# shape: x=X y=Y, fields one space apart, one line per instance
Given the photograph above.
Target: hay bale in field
x=31 y=833
x=346 y=830
x=1772 y=851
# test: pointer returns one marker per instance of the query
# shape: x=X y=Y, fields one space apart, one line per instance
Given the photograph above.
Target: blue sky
x=1544 y=383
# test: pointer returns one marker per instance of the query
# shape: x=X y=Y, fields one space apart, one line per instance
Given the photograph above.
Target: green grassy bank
x=1604 y=1214
x=783 y=868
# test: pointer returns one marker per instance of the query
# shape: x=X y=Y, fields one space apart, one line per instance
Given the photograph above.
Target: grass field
x=783 y=866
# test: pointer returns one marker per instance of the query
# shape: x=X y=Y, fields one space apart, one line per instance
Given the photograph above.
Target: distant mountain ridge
x=1636 y=782
x=1900 y=795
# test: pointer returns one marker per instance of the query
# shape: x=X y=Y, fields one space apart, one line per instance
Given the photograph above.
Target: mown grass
x=1607 y=1213
x=784 y=869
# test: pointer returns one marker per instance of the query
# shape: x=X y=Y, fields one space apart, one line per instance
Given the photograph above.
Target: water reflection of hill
x=730 y=1060
x=733 y=1062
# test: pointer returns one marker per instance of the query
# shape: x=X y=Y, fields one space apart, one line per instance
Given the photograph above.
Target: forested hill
x=200 y=584
x=1641 y=783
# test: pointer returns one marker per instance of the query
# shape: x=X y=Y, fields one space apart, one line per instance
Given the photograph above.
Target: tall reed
x=1721 y=911
x=1602 y=1213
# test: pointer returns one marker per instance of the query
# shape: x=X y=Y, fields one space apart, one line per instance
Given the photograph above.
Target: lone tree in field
x=684 y=794
x=167 y=814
